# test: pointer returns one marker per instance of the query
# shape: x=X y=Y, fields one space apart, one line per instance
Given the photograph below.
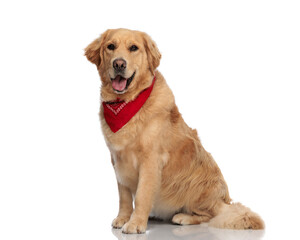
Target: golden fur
x=158 y=160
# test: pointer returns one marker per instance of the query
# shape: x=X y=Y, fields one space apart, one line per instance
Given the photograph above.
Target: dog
x=158 y=160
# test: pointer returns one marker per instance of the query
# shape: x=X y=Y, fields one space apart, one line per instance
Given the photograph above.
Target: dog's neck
x=118 y=112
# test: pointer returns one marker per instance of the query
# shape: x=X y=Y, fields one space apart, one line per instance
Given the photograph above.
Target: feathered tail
x=236 y=216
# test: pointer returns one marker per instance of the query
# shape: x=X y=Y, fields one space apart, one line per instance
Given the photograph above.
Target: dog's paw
x=119 y=221
x=187 y=219
x=181 y=219
x=135 y=226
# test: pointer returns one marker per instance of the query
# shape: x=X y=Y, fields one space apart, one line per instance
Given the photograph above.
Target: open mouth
x=120 y=83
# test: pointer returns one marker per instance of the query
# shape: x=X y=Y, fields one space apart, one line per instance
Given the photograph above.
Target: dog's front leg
x=125 y=207
x=149 y=179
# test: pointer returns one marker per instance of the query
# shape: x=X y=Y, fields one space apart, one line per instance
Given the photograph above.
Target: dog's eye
x=111 y=47
x=133 y=48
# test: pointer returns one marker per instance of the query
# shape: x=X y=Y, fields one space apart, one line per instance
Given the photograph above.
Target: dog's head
x=126 y=60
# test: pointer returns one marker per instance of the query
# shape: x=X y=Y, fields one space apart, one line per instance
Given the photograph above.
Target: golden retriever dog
x=159 y=161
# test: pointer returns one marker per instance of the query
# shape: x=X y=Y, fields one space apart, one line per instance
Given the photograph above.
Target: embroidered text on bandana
x=118 y=113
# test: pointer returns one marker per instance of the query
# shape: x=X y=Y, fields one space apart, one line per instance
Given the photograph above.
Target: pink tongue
x=119 y=83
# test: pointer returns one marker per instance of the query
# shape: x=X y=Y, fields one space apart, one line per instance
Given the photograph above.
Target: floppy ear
x=94 y=51
x=152 y=51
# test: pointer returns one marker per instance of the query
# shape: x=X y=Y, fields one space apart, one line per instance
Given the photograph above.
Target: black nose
x=119 y=64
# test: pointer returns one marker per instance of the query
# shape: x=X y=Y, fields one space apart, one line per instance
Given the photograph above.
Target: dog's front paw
x=119 y=221
x=135 y=226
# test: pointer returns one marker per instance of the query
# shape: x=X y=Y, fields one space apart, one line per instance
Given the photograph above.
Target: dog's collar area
x=117 y=113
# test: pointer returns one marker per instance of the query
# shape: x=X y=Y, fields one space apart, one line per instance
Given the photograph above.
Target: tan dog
x=158 y=160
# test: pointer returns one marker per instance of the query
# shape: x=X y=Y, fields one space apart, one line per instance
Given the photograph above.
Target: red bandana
x=118 y=113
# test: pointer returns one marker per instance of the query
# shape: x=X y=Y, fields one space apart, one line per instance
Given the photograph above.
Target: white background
x=232 y=65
